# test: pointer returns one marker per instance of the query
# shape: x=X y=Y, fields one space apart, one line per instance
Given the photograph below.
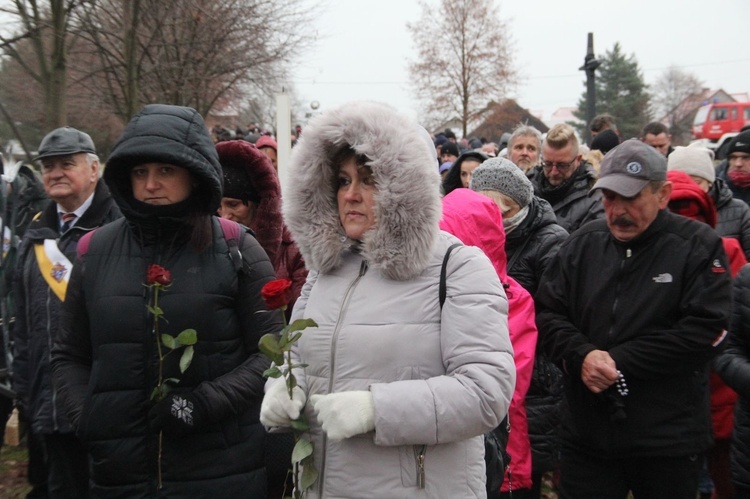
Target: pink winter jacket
x=476 y=220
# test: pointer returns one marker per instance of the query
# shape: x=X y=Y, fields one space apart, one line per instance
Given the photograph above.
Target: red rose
x=277 y=293
x=158 y=275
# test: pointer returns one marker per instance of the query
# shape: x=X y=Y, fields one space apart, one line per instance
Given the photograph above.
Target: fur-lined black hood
x=407 y=211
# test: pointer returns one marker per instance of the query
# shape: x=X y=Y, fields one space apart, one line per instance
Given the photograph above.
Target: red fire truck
x=715 y=124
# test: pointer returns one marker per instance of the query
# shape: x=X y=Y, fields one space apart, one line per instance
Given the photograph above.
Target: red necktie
x=67 y=221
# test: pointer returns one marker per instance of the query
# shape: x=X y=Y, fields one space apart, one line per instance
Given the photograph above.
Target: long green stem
x=156 y=334
x=289 y=378
x=161 y=373
x=297 y=492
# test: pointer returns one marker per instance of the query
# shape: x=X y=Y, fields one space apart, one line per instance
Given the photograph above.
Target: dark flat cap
x=64 y=141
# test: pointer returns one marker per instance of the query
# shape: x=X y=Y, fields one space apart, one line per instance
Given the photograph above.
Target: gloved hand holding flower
x=278 y=409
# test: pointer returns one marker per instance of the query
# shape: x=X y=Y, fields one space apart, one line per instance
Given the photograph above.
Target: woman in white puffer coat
x=400 y=390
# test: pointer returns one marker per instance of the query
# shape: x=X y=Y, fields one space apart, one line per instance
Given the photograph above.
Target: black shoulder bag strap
x=496 y=457
x=443 y=269
x=517 y=254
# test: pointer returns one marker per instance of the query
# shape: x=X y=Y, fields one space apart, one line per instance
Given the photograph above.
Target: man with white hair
x=79 y=203
x=525 y=146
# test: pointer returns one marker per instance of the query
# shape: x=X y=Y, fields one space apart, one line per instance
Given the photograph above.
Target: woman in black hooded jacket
x=453 y=179
x=203 y=437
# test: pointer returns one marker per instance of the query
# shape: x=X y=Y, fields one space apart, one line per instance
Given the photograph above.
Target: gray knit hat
x=501 y=175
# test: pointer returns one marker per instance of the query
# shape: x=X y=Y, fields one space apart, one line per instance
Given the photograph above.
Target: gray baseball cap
x=629 y=167
x=64 y=141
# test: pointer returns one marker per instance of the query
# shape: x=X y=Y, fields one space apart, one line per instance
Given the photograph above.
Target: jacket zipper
x=419 y=452
x=55 y=425
x=628 y=254
x=362 y=270
x=55 y=417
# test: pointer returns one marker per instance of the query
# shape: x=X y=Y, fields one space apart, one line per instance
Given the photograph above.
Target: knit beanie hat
x=266 y=141
x=237 y=184
x=238 y=158
x=741 y=143
x=696 y=161
x=605 y=141
x=449 y=148
x=501 y=175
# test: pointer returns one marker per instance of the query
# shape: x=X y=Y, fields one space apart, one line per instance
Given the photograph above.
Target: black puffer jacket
x=533 y=244
x=674 y=279
x=38 y=308
x=105 y=359
x=734 y=368
x=734 y=215
x=570 y=201
x=530 y=247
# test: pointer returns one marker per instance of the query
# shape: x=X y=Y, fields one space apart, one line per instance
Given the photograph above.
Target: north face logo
x=663 y=278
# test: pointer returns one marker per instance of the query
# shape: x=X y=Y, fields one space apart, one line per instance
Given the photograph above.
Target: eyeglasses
x=561 y=167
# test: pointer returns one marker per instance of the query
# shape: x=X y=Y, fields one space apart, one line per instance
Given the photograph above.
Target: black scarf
x=556 y=193
x=167 y=224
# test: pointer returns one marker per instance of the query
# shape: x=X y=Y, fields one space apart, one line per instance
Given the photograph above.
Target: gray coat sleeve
x=474 y=394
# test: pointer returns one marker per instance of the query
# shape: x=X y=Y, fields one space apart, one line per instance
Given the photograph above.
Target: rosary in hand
x=621 y=385
x=616 y=402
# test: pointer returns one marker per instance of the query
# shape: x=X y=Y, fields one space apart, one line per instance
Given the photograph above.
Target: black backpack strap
x=443 y=269
x=233 y=234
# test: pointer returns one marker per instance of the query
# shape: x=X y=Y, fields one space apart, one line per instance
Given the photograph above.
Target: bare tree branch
x=464 y=59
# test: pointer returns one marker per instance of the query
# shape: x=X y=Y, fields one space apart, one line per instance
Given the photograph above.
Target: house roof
x=499 y=118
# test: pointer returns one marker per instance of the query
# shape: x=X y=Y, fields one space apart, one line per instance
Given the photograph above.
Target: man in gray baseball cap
x=633 y=181
x=635 y=307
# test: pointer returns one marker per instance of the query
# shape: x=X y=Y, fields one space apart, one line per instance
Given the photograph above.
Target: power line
x=541 y=77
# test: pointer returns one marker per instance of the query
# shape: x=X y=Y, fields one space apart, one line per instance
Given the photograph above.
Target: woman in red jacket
x=690 y=200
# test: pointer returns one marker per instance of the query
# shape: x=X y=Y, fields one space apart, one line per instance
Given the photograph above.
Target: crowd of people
x=595 y=302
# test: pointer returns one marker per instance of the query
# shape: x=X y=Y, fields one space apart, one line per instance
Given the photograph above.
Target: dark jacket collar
x=102 y=210
x=653 y=230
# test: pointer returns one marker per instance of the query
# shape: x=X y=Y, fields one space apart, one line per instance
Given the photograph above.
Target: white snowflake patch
x=182 y=409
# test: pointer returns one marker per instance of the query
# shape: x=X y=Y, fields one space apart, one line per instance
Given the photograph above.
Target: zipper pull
x=628 y=253
x=420 y=468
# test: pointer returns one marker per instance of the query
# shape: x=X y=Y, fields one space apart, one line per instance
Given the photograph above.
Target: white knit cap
x=696 y=161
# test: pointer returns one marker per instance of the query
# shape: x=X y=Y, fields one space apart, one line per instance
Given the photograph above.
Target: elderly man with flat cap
x=79 y=203
x=632 y=309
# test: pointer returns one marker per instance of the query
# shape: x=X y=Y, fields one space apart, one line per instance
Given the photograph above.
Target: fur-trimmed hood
x=268 y=224
x=407 y=204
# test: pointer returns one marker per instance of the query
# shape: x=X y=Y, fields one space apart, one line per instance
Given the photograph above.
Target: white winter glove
x=345 y=414
x=277 y=409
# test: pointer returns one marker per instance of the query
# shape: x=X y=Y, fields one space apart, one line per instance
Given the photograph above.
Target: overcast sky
x=364 y=47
